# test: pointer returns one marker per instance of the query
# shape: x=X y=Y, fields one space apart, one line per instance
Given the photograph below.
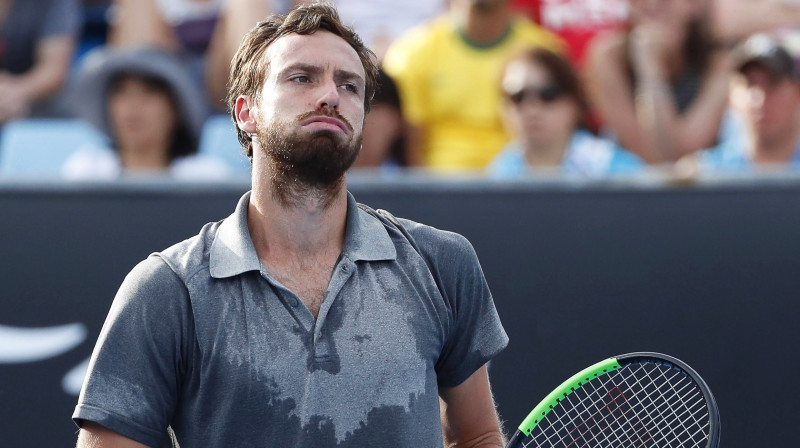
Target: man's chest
x=308 y=283
x=372 y=347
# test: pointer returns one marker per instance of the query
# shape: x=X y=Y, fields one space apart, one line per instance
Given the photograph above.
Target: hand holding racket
x=634 y=400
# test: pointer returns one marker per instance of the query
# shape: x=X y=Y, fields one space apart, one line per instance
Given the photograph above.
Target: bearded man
x=302 y=320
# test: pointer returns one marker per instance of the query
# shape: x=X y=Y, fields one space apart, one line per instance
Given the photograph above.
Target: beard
x=307 y=165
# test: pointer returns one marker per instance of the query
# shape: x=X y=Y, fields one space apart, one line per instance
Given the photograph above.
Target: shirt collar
x=233 y=253
x=365 y=236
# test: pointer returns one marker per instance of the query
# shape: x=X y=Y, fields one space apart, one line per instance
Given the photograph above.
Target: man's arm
x=736 y=19
x=93 y=435
x=469 y=417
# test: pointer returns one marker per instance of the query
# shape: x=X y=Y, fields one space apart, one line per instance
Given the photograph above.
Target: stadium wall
x=708 y=273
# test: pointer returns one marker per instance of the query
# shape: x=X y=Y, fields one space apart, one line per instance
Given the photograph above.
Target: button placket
x=340 y=276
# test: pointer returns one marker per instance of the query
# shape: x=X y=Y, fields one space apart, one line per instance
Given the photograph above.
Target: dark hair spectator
x=384 y=129
x=545 y=109
x=37 y=40
x=765 y=97
x=660 y=86
x=151 y=112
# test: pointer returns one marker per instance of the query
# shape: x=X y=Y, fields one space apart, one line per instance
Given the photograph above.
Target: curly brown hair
x=249 y=66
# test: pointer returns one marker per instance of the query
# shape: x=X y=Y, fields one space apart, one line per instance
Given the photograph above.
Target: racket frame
x=608 y=365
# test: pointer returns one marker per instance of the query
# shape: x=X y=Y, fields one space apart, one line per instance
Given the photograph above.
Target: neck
x=311 y=224
x=546 y=154
x=144 y=157
x=779 y=150
x=481 y=26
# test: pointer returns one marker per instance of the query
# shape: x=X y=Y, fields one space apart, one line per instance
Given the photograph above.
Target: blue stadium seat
x=38 y=147
x=219 y=140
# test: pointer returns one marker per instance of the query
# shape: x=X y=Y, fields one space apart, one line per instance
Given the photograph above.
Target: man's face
x=310 y=114
x=769 y=103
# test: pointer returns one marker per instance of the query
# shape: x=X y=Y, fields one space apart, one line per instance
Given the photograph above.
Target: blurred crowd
x=502 y=87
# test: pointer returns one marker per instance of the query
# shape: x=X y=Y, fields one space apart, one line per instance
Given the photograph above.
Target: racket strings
x=640 y=405
x=687 y=415
x=582 y=424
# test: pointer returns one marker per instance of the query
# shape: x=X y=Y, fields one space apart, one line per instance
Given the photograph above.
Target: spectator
x=545 y=108
x=447 y=72
x=766 y=95
x=37 y=39
x=195 y=28
x=151 y=112
x=661 y=86
x=383 y=144
x=576 y=21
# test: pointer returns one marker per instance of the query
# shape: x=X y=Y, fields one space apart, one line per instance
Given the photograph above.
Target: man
x=447 y=72
x=765 y=96
x=37 y=40
x=301 y=320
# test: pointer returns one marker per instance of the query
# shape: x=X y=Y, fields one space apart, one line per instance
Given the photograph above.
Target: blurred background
x=626 y=169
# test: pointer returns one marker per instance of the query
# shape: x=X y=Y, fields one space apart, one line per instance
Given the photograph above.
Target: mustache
x=332 y=113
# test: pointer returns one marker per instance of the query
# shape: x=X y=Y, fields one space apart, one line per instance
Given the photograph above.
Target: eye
x=300 y=78
x=349 y=87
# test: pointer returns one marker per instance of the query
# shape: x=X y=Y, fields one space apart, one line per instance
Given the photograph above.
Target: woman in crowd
x=151 y=112
x=545 y=108
x=661 y=85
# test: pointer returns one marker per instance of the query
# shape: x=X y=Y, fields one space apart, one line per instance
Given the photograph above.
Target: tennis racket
x=634 y=400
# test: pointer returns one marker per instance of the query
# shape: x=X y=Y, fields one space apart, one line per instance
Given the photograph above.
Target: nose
x=328 y=95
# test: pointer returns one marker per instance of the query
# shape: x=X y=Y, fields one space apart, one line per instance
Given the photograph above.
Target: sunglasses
x=546 y=94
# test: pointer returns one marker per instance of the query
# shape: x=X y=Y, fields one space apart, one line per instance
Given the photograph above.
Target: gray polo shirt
x=201 y=338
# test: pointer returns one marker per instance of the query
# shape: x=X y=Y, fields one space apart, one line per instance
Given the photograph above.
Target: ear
x=246 y=114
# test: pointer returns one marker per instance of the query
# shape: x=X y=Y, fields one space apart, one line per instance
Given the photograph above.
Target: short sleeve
x=63 y=19
x=476 y=334
x=135 y=371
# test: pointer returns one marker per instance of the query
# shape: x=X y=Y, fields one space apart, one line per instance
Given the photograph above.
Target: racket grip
x=516 y=440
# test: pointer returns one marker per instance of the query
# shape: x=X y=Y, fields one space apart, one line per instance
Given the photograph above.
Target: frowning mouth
x=334 y=124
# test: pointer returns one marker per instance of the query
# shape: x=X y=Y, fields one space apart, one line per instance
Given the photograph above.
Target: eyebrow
x=338 y=75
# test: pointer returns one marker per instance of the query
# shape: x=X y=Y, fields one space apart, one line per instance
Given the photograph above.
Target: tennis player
x=301 y=320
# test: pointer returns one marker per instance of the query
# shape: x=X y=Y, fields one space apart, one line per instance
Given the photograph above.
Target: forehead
x=521 y=72
x=755 y=73
x=320 y=48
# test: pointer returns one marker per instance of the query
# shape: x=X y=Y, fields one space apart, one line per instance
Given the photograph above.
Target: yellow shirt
x=450 y=88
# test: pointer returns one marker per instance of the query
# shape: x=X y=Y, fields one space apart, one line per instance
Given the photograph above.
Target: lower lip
x=325 y=126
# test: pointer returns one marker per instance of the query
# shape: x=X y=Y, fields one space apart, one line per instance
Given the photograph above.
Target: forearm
x=657 y=116
x=735 y=19
x=469 y=416
x=47 y=75
x=489 y=440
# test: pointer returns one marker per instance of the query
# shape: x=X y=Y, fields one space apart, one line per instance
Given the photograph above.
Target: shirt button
x=345 y=268
x=293 y=302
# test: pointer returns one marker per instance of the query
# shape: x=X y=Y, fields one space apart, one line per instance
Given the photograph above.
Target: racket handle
x=516 y=440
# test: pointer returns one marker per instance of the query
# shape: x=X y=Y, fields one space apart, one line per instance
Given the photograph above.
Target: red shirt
x=576 y=21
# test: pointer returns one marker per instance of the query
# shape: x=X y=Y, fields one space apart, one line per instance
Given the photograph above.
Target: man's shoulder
x=191 y=255
x=440 y=248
